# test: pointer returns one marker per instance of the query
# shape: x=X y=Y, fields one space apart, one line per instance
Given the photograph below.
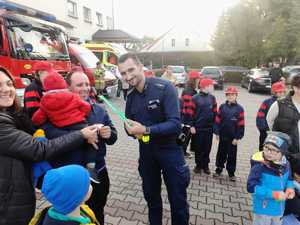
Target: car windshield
x=86 y=57
x=177 y=70
x=46 y=43
x=213 y=72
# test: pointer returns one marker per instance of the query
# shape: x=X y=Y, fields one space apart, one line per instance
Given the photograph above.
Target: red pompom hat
x=54 y=81
x=205 y=82
x=278 y=87
x=194 y=74
x=231 y=90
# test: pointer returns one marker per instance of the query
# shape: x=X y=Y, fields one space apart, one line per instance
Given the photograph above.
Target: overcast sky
x=154 y=17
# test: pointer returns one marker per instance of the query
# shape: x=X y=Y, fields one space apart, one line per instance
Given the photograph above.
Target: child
x=270 y=180
x=64 y=109
x=229 y=129
x=278 y=91
x=66 y=188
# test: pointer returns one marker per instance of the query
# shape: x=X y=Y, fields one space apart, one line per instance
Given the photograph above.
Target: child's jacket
x=264 y=178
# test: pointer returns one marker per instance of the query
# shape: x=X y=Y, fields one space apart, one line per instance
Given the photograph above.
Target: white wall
x=59 y=8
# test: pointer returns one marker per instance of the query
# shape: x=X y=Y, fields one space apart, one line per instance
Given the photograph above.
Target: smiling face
x=7 y=91
x=132 y=72
x=272 y=153
x=231 y=97
x=80 y=84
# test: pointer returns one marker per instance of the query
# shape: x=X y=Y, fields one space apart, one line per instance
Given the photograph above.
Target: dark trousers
x=156 y=161
x=203 y=143
x=226 y=154
x=125 y=93
x=99 y=195
x=262 y=136
x=187 y=131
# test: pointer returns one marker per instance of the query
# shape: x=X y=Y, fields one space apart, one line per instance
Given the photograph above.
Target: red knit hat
x=54 y=81
x=231 y=90
x=278 y=87
x=194 y=74
x=205 y=82
x=46 y=66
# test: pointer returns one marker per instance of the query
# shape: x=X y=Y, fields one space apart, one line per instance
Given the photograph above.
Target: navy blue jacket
x=156 y=107
x=79 y=156
x=261 y=121
x=203 y=111
x=230 y=121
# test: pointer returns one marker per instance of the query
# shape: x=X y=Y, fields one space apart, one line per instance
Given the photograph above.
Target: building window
x=72 y=9
x=173 y=42
x=87 y=15
x=109 y=23
x=187 y=42
x=99 y=19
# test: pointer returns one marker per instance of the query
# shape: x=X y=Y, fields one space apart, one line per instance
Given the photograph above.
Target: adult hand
x=193 y=130
x=90 y=133
x=235 y=141
x=135 y=128
x=290 y=193
x=105 y=132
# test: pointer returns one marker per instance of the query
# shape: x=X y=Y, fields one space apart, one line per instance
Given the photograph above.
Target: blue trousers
x=167 y=161
x=203 y=143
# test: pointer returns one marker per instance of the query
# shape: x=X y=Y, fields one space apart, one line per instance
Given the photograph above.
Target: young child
x=278 y=91
x=62 y=108
x=66 y=188
x=270 y=180
x=229 y=129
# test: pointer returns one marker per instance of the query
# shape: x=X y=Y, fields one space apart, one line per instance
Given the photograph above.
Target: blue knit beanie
x=66 y=187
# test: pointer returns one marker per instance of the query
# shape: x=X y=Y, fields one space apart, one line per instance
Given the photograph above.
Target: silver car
x=180 y=74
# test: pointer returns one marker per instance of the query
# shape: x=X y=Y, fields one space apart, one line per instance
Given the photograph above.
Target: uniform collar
x=145 y=86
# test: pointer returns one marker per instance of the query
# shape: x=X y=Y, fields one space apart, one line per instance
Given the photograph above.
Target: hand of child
x=290 y=193
x=193 y=130
x=105 y=132
x=279 y=195
x=235 y=141
x=217 y=137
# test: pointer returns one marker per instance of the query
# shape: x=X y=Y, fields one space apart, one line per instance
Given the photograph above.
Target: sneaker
x=197 y=170
x=216 y=174
x=232 y=178
x=93 y=175
x=187 y=155
x=206 y=171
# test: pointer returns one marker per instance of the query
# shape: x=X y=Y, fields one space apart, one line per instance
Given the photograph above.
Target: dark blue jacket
x=204 y=110
x=187 y=106
x=80 y=155
x=230 y=121
x=261 y=122
x=156 y=107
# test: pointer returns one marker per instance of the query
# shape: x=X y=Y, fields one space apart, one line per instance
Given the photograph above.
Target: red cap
x=46 y=66
x=54 y=81
x=194 y=74
x=205 y=82
x=231 y=90
x=278 y=87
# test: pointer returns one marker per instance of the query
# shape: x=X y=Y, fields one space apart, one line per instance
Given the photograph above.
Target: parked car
x=290 y=71
x=180 y=74
x=215 y=73
x=257 y=80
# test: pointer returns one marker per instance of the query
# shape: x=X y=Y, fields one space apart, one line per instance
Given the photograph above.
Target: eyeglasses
x=271 y=150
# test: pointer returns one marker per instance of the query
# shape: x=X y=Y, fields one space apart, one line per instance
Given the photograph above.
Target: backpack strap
x=39 y=217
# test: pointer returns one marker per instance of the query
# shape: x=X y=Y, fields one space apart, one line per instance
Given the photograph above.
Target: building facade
x=81 y=18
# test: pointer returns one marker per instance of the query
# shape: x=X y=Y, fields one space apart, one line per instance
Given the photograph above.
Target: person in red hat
x=201 y=118
x=278 y=91
x=58 y=105
x=229 y=128
x=34 y=92
x=185 y=105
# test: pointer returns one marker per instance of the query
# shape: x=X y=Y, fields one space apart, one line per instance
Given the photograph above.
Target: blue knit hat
x=278 y=139
x=66 y=187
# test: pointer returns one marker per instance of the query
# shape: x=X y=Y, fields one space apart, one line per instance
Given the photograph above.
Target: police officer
x=153 y=109
x=278 y=90
x=202 y=117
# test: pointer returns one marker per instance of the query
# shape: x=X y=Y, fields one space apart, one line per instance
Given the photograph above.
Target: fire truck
x=28 y=36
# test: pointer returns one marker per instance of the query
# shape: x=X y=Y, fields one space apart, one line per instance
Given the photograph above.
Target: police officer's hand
x=193 y=130
x=105 y=132
x=235 y=141
x=135 y=128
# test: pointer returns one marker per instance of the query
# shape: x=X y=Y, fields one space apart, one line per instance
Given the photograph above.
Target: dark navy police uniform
x=157 y=108
x=229 y=125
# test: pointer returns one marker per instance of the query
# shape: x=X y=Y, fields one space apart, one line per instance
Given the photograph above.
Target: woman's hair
x=192 y=83
x=16 y=107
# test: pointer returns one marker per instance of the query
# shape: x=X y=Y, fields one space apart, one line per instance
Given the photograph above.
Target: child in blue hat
x=66 y=188
x=270 y=180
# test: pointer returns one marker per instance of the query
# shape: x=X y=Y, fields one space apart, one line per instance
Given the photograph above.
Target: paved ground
x=212 y=201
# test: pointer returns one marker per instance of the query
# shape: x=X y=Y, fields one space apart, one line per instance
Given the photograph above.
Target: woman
x=19 y=150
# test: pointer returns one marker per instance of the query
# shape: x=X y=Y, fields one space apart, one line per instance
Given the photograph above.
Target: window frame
x=173 y=42
x=99 y=15
x=73 y=14
x=86 y=9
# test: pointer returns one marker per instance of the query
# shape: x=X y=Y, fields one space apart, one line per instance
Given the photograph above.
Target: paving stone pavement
x=212 y=201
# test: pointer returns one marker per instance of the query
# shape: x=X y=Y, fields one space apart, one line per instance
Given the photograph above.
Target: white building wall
x=82 y=29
